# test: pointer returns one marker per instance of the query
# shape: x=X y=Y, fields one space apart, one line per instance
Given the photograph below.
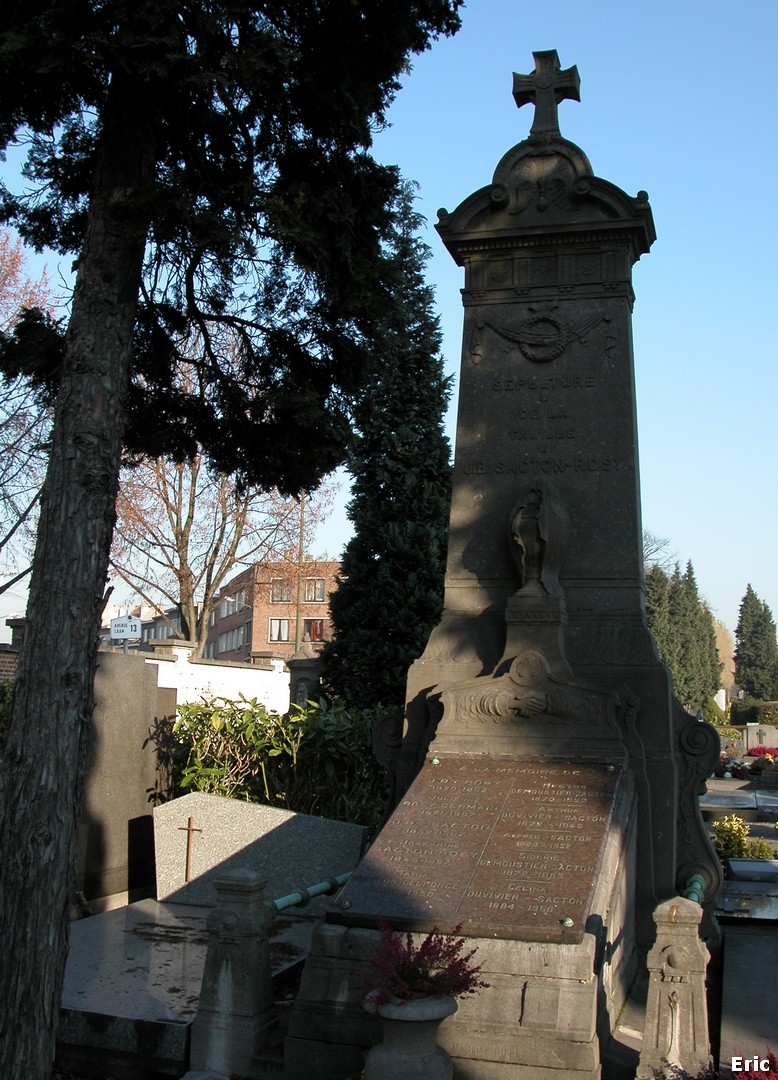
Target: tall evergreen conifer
x=391 y=587
x=684 y=633
x=756 y=651
x=657 y=607
x=208 y=166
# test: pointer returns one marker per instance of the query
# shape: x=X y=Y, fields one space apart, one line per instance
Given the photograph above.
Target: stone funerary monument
x=548 y=778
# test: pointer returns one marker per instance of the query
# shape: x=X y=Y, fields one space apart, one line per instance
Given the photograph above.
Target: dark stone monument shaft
x=545 y=543
x=547 y=781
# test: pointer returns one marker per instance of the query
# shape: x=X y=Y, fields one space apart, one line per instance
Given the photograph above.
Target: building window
x=279 y=630
x=314 y=590
x=280 y=591
x=235 y=638
x=314 y=628
x=230 y=604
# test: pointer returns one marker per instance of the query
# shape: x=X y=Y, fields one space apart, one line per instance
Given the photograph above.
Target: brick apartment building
x=9 y=653
x=271 y=607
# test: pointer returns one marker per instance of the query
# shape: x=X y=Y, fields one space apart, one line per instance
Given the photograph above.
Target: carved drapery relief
x=527 y=691
x=543 y=336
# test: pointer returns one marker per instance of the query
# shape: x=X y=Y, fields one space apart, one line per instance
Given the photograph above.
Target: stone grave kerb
x=544 y=590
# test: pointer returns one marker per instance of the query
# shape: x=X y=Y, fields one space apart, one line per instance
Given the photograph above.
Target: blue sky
x=679 y=99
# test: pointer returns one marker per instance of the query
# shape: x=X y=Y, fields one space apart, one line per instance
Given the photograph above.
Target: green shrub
x=713 y=714
x=6 y=694
x=731 y=841
x=731 y=740
x=759 y=848
x=317 y=760
x=768 y=713
x=172 y=753
x=730 y=837
x=744 y=712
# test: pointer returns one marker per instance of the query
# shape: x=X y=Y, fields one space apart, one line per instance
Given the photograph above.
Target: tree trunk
x=42 y=772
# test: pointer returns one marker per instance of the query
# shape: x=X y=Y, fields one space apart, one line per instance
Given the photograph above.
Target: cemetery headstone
x=235 y=1013
x=116 y=841
x=198 y=837
x=507 y=849
x=547 y=784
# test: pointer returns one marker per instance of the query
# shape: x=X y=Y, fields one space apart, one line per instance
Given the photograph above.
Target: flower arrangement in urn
x=438 y=966
x=413 y=988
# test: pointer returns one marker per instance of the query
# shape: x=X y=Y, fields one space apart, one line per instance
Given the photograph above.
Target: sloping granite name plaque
x=507 y=849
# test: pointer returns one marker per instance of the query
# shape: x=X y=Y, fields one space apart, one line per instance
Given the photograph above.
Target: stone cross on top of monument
x=546 y=87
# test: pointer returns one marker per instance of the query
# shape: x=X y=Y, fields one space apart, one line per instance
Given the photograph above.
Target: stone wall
x=759 y=735
x=267 y=680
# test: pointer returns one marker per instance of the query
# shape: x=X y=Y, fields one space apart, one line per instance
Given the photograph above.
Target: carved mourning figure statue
x=538 y=530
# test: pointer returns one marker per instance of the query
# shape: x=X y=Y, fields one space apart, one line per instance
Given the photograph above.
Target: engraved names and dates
x=543 y=418
x=505 y=848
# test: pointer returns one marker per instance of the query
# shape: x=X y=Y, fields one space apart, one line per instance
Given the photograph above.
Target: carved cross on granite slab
x=189 y=829
x=546 y=87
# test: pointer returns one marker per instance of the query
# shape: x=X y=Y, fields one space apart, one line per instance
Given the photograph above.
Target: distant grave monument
x=548 y=778
x=199 y=837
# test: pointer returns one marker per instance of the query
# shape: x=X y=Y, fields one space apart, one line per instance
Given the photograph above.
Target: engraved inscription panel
x=507 y=848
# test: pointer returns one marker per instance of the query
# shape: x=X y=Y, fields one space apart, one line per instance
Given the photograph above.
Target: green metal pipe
x=302 y=896
x=695 y=888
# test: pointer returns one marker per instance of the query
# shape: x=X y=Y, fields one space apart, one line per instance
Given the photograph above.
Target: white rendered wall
x=194 y=680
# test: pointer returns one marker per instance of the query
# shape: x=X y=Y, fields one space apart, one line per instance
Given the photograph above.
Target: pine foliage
x=685 y=636
x=657 y=608
x=756 y=651
x=391 y=587
x=265 y=218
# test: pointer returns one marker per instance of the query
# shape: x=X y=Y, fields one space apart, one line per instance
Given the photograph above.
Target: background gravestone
x=115 y=839
x=289 y=850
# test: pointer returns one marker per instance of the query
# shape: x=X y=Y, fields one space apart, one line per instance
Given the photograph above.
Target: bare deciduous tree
x=656 y=553
x=24 y=422
x=182 y=530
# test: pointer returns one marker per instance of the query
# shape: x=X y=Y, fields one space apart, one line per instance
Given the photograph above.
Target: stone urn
x=409 y=1048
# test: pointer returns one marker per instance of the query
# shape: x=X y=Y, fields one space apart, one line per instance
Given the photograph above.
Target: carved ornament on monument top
x=545 y=181
x=528 y=693
x=543 y=334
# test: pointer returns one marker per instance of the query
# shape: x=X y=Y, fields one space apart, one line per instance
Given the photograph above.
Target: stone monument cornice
x=603 y=214
x=462 y=245
x=545 y=184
